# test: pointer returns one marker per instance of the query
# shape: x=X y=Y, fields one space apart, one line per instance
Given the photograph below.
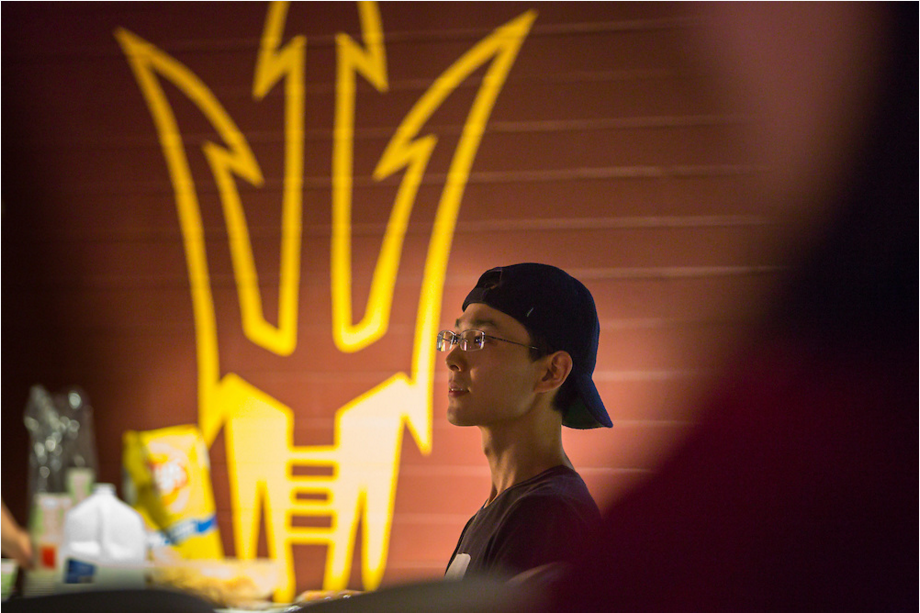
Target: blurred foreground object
x=121 y=601
x=167 y=476
x=10 y=570
x=799 y=489
x=104 y=544
x=16 y=544
x=62 y=470
x=240 y=584
x=474 y=594
x=62 y=455
x=311 y=596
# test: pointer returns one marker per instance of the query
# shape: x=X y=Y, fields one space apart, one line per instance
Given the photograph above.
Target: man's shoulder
x=534 y=522
x=558 y=490
x=558 y=481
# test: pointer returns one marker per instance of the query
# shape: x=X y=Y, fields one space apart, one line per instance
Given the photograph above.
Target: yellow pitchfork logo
x=355 y=477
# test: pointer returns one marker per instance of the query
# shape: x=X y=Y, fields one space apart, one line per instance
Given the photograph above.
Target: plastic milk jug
x=104 y=543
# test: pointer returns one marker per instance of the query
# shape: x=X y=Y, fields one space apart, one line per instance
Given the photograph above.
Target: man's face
x=496 y=383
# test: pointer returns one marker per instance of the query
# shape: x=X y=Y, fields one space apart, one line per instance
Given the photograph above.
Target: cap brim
x=588 y=409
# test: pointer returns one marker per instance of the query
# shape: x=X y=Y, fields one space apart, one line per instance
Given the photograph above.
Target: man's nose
x=455 y=358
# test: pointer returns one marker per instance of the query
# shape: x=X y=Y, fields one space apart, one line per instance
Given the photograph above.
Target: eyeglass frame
x=476 y=347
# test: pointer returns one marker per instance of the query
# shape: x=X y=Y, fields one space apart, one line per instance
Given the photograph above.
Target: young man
x=520 y=361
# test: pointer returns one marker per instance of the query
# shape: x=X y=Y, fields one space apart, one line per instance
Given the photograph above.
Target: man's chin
x=455 y=419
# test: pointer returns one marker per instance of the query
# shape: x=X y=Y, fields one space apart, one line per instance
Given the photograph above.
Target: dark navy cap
x=558 y=307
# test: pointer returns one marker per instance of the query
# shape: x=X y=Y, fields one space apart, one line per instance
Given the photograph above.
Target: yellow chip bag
x=168 y=480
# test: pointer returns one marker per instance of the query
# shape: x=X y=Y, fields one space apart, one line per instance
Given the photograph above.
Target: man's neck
x=521 y=450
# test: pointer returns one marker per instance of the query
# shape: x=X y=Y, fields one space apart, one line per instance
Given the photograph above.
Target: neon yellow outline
x=368 y=430
x=145 y=60
x=236 y=160
x=371 y=63
x=405 y=151
x=275 y=65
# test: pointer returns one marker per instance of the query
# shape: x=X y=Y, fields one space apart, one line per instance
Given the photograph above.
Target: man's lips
x=456 y=389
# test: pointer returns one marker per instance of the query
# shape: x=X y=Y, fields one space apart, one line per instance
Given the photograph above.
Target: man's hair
x=566 y=394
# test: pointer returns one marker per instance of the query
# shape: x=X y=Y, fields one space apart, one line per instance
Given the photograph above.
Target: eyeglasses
x=470 y=340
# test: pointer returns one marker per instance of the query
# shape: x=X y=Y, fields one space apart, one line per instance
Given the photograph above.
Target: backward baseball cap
x=558 y=307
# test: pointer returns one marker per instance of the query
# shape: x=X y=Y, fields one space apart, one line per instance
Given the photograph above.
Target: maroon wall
x=612 y=151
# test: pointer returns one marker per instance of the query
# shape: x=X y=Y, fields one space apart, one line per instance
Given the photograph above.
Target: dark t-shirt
x=532 y=523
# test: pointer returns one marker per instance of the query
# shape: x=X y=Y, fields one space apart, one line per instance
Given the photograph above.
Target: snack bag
x=168 y=481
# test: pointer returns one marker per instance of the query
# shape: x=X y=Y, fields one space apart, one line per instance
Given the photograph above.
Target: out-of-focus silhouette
x=137 y=601
x=16 y=543
x=799 y=489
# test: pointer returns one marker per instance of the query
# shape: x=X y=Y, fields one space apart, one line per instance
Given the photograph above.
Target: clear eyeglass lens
x=446 y=340
x=470 y=340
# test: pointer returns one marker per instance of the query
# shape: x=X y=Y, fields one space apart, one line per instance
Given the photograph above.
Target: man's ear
x=557 y=367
